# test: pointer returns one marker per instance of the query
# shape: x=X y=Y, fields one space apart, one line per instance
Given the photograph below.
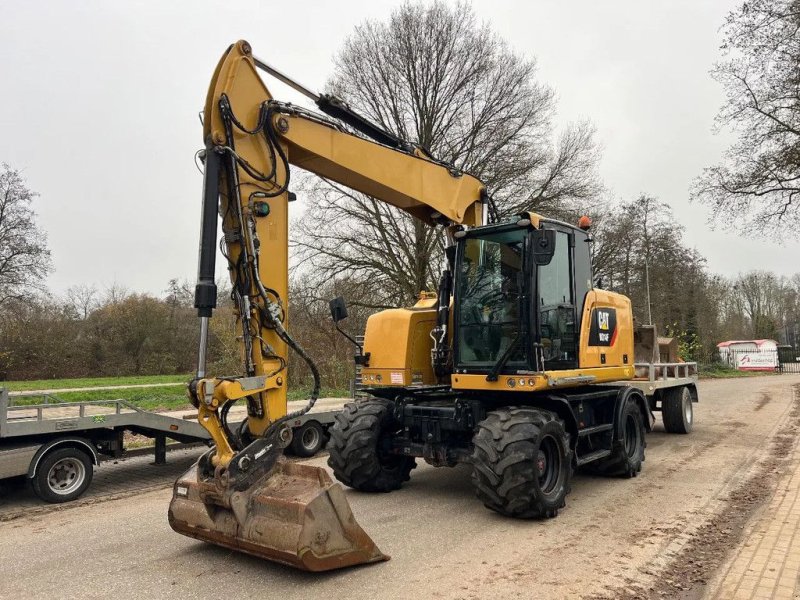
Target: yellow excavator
x=508 y=367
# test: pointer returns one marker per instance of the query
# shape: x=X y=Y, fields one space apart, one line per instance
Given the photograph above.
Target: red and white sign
x=756 y=361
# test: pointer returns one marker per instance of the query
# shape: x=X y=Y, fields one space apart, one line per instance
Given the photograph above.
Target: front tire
x=62 y=475
x=359 y=444
x=522 y=463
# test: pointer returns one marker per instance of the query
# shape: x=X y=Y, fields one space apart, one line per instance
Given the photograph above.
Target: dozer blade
x=295 y=515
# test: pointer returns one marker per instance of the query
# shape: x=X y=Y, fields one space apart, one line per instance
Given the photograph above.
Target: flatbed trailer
x=671 y=389
x=56 y=444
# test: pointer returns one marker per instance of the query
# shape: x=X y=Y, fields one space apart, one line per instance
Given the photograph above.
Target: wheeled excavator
x=507 y=367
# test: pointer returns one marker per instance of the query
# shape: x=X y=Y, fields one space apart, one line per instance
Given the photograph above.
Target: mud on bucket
x=295 y=515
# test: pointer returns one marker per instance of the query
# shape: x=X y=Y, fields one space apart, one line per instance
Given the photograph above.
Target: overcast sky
x=100 y=100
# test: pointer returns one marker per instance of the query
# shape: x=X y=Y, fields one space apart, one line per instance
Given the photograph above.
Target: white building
x=750 y=355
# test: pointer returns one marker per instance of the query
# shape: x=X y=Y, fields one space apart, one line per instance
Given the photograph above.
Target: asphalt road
x=614 y=533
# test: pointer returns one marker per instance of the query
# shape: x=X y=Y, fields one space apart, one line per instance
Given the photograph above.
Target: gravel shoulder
x=615 y=538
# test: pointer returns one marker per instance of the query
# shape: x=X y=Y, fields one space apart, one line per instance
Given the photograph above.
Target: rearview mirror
x=338 y=309
x=544 y=246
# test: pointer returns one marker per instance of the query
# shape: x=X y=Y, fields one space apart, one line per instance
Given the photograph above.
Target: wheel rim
x=66 y=476
x=310 y=438
x=548 y=464
x=631 y=436
x=687 y=410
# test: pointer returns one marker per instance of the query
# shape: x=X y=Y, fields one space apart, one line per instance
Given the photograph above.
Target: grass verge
x=724 y=371
x=155 y=399
x=60 y=384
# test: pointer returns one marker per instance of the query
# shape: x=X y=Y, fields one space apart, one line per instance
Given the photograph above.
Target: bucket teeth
x=295 y=515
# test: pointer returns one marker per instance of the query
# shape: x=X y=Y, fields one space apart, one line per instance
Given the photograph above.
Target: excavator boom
x=243 y=494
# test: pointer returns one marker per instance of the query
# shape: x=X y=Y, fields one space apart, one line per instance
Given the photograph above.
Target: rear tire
x=308 y=439
x=358 y=448
x=522 y=463
x=628 y=453
x=62 y=475
x=676 y=410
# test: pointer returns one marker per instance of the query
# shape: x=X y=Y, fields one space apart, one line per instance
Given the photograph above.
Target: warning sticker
x=397 y=377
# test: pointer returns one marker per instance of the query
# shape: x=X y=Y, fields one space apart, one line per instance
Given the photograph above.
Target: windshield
x=489 y=289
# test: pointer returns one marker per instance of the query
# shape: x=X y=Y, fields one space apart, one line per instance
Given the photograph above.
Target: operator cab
x=519 y=290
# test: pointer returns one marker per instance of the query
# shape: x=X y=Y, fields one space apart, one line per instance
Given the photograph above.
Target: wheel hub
x=310 y=437
x=65 y=475
x=541 y=463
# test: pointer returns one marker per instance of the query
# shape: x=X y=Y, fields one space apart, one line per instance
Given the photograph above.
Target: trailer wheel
x=676 y=410
x=308 y=439
x=62 y=475
x=628 y=453
x=358 y=449
x=522 y=463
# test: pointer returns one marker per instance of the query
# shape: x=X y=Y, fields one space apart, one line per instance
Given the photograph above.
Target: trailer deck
x=82 y=432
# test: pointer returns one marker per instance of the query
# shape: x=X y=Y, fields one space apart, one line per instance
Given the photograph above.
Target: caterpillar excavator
x=507 y=368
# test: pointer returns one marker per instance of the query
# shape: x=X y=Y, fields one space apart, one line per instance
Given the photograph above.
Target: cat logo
x=603 y=330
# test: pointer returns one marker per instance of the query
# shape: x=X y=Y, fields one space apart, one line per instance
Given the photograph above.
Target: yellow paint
x=400 y=345
x=416 y=185
x=412 y=183
x=548 y=380
x=590 y=356
x=535 y=218
x=398 y=340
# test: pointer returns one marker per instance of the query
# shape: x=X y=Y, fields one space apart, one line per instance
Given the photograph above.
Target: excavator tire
x=522 y=463
x=356 y=456
x=628 y=453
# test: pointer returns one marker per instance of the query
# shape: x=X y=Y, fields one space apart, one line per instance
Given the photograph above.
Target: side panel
x=16 y=460
x=399 y=344
x=606 y=338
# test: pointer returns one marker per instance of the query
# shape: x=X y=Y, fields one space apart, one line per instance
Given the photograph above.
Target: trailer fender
x=644 y=406
x=693 y=391
x=75 y=442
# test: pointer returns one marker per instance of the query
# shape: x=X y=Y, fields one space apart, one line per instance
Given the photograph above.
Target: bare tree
x=639 y=251
x=764 y=297
x=24 y=257
x=435 y=76
x=759 y=181
x=82 y=298
x=115 y=293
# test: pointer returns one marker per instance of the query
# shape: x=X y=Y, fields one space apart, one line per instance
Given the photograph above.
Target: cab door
x=555 y=306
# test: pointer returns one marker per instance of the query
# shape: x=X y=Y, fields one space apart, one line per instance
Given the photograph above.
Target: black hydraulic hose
x=274 y=310
x=296 y=347
x=223 y=417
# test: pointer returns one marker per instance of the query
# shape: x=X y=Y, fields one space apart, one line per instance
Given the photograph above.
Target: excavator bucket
x=295 y=515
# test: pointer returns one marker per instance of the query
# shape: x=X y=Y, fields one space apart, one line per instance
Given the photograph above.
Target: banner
x=757 y=360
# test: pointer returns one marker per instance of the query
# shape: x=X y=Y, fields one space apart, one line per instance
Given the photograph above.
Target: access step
x=593 y=456
x=595 y=429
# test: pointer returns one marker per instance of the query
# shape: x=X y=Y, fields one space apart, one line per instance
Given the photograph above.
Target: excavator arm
x=242 y=494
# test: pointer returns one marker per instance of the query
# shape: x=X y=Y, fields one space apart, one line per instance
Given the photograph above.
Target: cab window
x=557 y=308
